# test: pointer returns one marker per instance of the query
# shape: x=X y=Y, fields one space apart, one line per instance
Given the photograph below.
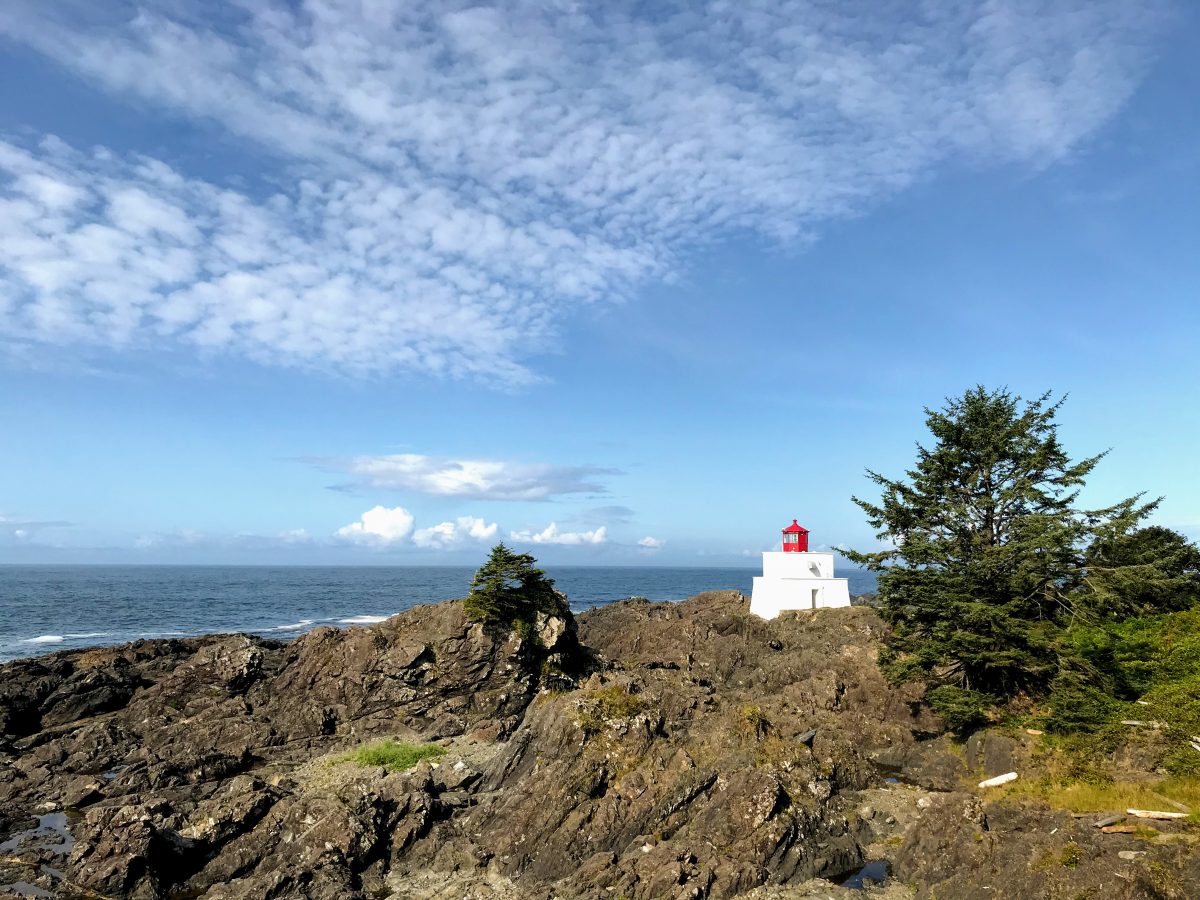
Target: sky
x=383 y=283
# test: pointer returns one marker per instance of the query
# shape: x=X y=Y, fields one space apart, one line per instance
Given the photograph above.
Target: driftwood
x=1156 y=814
x=1138 y=723
x=1111 y=820
x=1119 y=829
x=998 y=780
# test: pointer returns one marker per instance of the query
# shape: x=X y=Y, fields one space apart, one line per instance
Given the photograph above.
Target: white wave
x=85 y=636
x=295 y=626
x=363 y=620
x=44 y=639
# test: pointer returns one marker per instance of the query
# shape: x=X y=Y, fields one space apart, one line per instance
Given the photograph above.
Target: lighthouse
x=794 y=578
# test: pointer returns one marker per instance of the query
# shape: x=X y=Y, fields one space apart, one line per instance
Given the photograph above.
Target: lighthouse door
x=814 y=597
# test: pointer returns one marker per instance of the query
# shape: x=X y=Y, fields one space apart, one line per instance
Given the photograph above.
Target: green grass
x=394 y=756
x=1109 y=796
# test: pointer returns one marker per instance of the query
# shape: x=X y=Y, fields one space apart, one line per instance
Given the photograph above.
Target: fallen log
x=998 y=780
x=1156 y=814
x=1119 y=829
x=1110 y=820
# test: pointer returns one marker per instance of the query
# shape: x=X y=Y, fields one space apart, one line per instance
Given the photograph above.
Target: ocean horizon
x=49 y=607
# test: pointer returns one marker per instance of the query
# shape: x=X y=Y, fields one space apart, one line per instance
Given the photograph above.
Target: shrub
x=962 y=710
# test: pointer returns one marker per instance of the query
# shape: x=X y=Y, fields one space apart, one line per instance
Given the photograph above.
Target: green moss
x=394 y=756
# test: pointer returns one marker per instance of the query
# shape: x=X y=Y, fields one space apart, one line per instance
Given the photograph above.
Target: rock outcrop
x=685 y=750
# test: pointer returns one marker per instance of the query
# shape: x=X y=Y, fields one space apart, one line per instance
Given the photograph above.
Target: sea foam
x=295 y=626
x=363 y=620
x=44 y=639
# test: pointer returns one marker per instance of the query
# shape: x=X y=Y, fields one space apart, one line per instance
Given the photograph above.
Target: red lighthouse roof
x=795 y=538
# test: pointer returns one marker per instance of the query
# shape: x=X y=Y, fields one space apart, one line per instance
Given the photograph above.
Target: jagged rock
x=690 y=751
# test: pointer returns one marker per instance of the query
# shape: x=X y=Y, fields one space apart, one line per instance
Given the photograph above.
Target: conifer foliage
x=509 y=589
x=989 y=549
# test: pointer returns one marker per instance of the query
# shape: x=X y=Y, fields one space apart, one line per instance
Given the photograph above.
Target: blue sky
x=374 y=283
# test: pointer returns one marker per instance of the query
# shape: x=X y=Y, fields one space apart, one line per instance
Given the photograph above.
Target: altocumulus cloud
x=449 y=180
x=552 y=535
x=478 y=478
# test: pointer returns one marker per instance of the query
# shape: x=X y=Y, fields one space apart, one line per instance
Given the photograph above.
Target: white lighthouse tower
x=793 y=578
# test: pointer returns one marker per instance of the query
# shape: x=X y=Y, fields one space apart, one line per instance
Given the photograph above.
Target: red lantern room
x=795 y=538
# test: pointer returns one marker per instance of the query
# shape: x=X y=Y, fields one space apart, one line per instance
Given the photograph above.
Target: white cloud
x=480 y=478
x=451 y=534
x=551 y=535
x=379 y=525
x=446 y=181
x=651 y=543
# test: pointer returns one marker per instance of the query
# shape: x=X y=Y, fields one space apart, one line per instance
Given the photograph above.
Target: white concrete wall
x=777 y=564
x=797 y=581
x=771 y=596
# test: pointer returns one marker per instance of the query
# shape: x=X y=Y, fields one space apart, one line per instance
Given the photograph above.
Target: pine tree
x=987 y=546
x=509 y=589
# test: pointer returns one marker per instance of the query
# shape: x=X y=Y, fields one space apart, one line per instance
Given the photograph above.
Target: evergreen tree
x=510 y=589
x=988 y=547
x=1150 y=570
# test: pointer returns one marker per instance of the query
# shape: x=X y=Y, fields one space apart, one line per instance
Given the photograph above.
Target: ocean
x=47 y=608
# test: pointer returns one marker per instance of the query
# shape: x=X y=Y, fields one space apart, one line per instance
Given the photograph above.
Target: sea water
x=47 y=608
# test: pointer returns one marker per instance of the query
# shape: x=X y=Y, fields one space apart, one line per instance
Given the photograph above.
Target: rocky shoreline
x=643 y=751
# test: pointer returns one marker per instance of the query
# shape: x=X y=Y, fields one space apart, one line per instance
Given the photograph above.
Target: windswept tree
x=988 y=549
x=509 y=589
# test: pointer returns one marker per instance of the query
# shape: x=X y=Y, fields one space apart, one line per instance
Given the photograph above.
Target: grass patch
x=755 y=721
x=605 y=705
x=394 y=756
x=1106 y=796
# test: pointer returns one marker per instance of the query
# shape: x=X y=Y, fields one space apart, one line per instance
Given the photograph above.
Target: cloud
x=651 y=543
x=432 y=188
x=476 y=478
x=452 y=534
x=551 y=535
x=380 y=526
